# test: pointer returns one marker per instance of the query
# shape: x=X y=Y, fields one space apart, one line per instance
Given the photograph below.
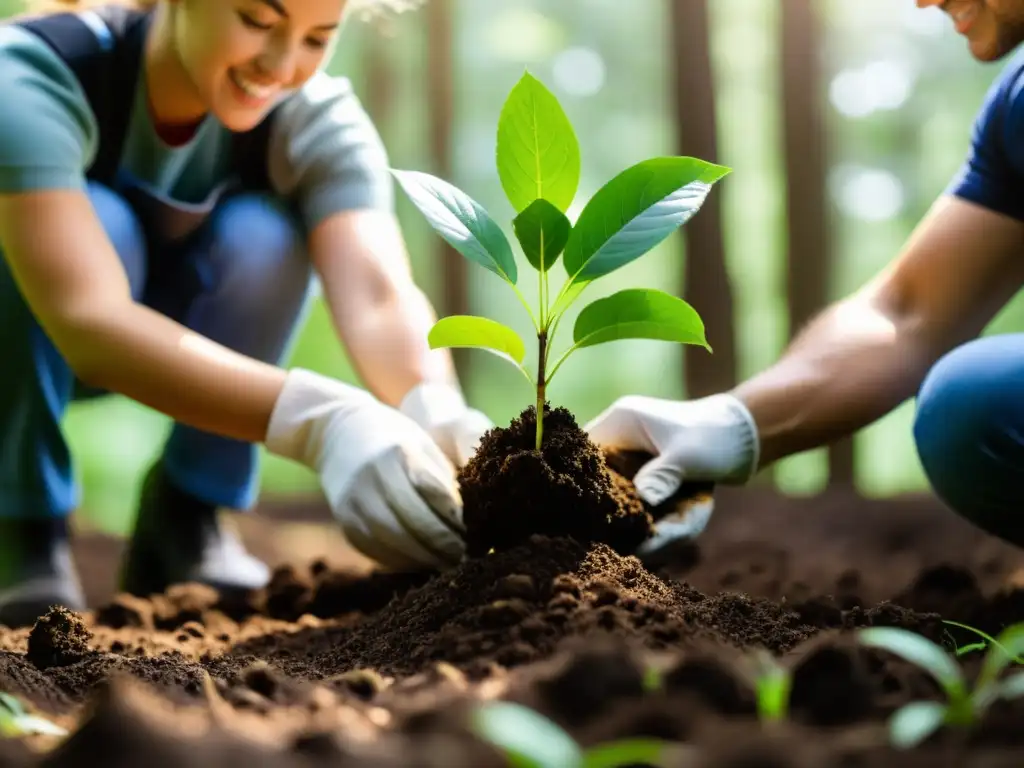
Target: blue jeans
x=969 y=431
x=243 y=280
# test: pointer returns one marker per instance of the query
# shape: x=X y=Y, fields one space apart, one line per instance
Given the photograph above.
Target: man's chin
x=988 y=52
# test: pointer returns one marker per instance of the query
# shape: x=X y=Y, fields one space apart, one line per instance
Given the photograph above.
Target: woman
x=175 y=174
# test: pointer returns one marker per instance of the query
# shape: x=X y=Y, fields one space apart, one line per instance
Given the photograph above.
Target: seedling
x=916 y=721
x=772 y=683
x=15 y=721
x=530 y=740
x=538 y=163
x=985 y=642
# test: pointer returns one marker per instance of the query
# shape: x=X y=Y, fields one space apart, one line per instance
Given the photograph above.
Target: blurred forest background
x=841 y=120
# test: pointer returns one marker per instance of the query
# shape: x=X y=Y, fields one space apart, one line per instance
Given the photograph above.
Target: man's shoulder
x=992 y=174
x=1006 y=93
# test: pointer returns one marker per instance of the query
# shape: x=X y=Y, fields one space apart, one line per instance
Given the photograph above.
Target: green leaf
x=538 y=155
x=31 y=724
x=635 y=211
x=639 y=313
x=15 y=722
x=915 y=722
x=1003 y=650
x=963 y=650
x=1012 y=686
x=652 y=680
x=528 y=739
x=773 y=695
x=461 y=221
x=542 y=231
x=921 y=651
x=12 y=704
x=625 y=752
x=477 y=332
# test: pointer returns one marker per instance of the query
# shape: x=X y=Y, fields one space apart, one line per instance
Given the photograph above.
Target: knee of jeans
x=258 y=247
x=965 y=412
x=125 y=232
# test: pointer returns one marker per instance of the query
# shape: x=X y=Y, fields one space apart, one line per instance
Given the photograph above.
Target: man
x=913 y=328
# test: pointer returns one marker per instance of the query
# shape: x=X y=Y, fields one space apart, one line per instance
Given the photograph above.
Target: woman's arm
x=74 y=282
x=380 y=315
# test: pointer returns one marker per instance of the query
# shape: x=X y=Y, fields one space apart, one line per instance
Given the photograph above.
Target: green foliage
x=985 y=642
x=480 y=333
x=771 y=683
x=461 y=221
x=530 y=740
x=538 y=162
x=915 y=722
x=16 y=722
x=542 y=231
x=639 y=313
x=538 y=156
x=635 y=211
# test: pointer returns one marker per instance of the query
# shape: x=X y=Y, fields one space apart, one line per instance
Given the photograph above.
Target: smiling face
x=242 y=56
x=993 y=28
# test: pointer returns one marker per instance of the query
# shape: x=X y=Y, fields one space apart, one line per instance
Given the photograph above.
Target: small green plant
x=538 y=163
x=653 y=680
x=16 y=722
x=980 y=646
x=916 y=721
x=772 y=683
x=530 y=740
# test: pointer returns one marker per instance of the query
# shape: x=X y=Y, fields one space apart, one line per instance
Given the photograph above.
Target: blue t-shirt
x=993 y=173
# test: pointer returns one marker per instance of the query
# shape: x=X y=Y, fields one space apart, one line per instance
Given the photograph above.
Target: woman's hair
x=58 y=6
x=359 y=7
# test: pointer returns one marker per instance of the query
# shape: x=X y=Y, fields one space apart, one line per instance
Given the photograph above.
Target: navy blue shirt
x=993 y=173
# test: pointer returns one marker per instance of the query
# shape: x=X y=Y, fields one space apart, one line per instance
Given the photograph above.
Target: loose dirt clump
x=512 y=491
x=58 y=639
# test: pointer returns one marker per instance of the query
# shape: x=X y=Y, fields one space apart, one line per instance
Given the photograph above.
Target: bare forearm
x=387 y=342
x=380 y=315
x=848 y=368
x=864 y=356
x=145 y=356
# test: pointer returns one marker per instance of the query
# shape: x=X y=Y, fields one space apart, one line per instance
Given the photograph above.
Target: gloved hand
x=712 y=439
x=388 y=483
x=442 y=411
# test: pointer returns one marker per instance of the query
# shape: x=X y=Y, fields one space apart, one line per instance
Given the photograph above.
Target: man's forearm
x=387 y=343
x=848 y=368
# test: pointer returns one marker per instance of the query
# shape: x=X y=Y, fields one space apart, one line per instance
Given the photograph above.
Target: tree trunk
x=811 y=257
x=440 y=76
x=705 y=279
x=379 y=78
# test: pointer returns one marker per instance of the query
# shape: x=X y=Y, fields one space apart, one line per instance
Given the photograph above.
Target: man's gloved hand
x=712 y=439
x=442 y=411
x=388 y=484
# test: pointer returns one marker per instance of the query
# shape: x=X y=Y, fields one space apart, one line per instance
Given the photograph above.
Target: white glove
x=388 y=484
x=442 y=411
x=712 y=439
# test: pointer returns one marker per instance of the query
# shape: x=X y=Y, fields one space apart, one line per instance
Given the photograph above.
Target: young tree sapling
x=538 y=163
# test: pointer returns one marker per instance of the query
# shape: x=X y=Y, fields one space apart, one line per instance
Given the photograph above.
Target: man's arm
x=380 y=315
x=865 y=355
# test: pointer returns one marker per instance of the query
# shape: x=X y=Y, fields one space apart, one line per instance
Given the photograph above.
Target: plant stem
x=558 y=363
x=542 y=303
x=542 y=357
x=526 y=306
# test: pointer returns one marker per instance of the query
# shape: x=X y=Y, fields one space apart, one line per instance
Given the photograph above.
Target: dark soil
x=569 y=488
x=331 y=666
